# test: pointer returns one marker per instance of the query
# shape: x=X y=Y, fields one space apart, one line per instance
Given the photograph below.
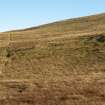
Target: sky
x=17 y=14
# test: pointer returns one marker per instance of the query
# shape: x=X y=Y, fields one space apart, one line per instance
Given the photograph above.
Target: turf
x=61 y=63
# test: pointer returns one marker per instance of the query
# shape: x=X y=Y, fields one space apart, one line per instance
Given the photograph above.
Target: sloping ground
x=62 y=63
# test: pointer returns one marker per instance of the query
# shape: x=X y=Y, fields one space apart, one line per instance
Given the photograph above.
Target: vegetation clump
x=8 y=53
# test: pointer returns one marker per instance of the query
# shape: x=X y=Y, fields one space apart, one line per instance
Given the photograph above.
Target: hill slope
x=61 y=63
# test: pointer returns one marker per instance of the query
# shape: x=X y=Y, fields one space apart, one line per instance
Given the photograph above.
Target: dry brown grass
x=56 y=64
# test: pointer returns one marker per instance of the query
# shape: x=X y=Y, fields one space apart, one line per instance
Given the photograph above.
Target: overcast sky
x=15 y=14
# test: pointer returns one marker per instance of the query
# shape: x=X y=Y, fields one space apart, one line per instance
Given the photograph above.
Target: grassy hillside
x=61 y=63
